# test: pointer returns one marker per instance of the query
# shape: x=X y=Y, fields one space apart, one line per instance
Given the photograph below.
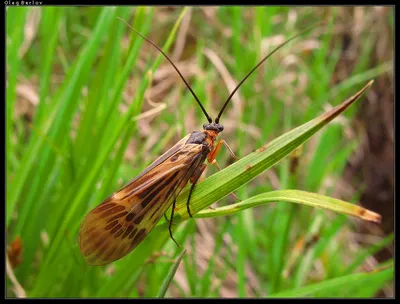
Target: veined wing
x=157 y=162
x=120 y=223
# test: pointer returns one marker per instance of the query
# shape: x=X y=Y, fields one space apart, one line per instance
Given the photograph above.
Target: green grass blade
x=170 y=276
x=365 y=253
x=51 y=19
x=295 y=196
x=333 y=285
x=61 y=116
x=15 y=36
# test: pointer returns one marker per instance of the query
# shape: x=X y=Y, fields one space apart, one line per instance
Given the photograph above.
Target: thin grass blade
x=170 y=276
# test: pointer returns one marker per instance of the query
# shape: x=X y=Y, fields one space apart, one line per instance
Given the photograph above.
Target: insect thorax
x=197 y=137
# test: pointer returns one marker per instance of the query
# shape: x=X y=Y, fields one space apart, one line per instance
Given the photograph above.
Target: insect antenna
x=265 y=58
x=170 y=61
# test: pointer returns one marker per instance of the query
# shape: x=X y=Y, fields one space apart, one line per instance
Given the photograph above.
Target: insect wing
x=121 y=222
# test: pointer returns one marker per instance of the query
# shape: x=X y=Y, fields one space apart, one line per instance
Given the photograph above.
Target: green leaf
x=295 y=196
x=170 y=275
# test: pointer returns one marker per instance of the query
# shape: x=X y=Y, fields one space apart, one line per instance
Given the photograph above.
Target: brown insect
x=123 y=220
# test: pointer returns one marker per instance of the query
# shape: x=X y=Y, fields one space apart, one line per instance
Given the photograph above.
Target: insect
x=121 y=222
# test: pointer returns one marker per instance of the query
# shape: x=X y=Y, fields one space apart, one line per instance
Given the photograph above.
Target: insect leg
x=165 y=216
x=229 y=149
x=170 y=222
x=213 y=154
x=193 y=180
x=173 y=205
x=214 y=162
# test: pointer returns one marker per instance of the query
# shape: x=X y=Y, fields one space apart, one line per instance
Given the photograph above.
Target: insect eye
x=204 y=126
x=220 y=128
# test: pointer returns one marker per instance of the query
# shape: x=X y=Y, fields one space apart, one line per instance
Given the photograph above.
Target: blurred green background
x=90 y=105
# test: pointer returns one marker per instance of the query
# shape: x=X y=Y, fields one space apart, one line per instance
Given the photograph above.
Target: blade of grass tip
x=190 y=274
x=181 y=234
x=170 y=276
x=295 y=196
x=232 y=177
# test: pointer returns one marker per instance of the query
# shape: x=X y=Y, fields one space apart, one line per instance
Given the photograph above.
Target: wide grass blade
x=295 y=196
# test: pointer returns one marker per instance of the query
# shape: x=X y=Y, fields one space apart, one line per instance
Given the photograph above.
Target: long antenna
x=165 y=55
x=265 y=58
